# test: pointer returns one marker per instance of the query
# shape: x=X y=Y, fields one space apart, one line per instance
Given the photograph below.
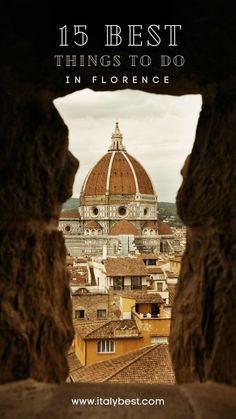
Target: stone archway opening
x=158 y=130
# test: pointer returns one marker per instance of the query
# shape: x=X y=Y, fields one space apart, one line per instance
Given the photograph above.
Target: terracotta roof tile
x=144 y=297
x=144 y=182
x=125 y=267
x=99 y=372
x=71 y=215
x=121 y=180
x=164 y=228
x=146 y=256
x=150 y=224
x=73 y=361
x=154 y=270
x=151 y=364
x=116 y=329
x=77 y=279
x=93 y=224
x=85 y=327
x=96 y=181
x=123 y=227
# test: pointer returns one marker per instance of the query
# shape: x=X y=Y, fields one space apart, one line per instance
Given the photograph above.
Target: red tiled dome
x=93 y=224
x=123 y=227
x=117 y=173
x=150 y=225
x=164 y=228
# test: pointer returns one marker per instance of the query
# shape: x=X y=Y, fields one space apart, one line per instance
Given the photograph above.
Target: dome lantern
x=117 y=138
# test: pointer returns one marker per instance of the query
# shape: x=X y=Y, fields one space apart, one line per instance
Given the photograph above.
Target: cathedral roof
x=93 y=224
x=117 y=173
x=69 y=215
x=123 y=227
x=150 y=224
x=164 y=228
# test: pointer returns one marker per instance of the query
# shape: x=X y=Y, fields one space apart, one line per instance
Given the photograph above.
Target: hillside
x=71 y=205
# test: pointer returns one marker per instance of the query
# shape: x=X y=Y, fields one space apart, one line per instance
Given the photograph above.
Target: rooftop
x=73 y=361
x=77 y=279
x=164 y=228
x=123 y=227
x=143 y=297
x=71 y=215
x=154 y=270
x=93 y=224
x=150 y=364
x=146 y=256
x=150 y=224
x=125 y=267
x=107 y=329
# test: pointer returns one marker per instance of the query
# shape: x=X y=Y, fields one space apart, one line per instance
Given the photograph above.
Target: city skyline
x=158 y=130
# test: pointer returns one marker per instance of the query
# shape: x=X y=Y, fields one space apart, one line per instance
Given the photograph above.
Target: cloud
x=158 y=131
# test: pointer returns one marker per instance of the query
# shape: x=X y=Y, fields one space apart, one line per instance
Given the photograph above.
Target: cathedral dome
x=123 y=227
x=117 y=173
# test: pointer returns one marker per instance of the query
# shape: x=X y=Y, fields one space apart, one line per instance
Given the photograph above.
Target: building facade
x=117 y=213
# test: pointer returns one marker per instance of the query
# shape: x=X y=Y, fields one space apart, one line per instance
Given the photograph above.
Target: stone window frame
x=120 y=208
x=68 y=228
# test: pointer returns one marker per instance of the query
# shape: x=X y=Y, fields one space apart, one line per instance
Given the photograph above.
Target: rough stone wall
x=90 y=304
x=202 y=340
x=36 y=176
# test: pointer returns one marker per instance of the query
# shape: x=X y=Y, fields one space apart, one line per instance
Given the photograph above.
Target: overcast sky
x=158 y=130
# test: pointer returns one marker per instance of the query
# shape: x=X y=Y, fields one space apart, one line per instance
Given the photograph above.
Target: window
x=159 y=286
x=104 y=346
x=150 y=262
x=101 y=314
x=68 y=228
x=118 y=283
x=95 y=211
x=159 y=339
x=136 y=283
x=122 y=211
x=79 y=314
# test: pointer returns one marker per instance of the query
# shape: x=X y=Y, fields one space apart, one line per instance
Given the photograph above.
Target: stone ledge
x=31 y=399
